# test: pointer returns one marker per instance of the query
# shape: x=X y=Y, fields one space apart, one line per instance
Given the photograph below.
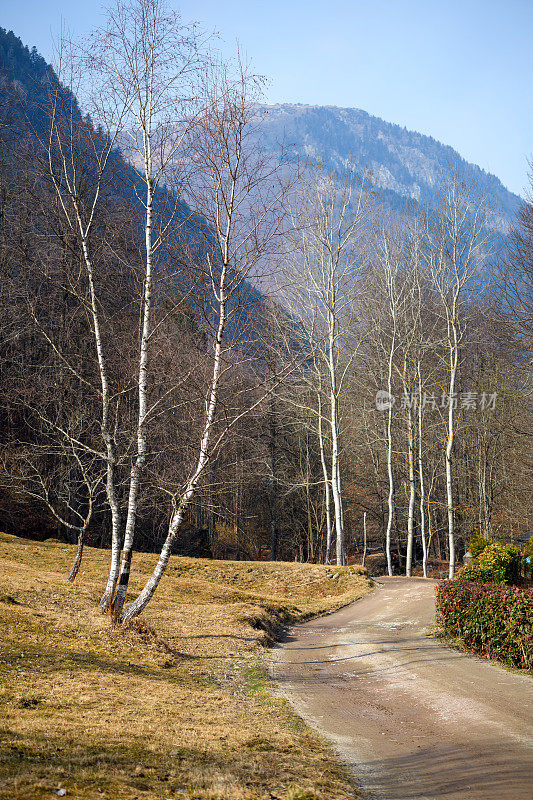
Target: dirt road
x=411 y=718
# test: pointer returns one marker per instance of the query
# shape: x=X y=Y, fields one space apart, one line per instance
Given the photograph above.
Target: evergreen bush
x=496 y=563
x=491 y=619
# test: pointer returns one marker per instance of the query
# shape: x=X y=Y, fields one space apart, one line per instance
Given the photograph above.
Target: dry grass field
x=177 y=706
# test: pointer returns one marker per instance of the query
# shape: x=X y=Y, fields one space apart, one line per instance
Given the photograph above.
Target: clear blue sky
x=459 y=70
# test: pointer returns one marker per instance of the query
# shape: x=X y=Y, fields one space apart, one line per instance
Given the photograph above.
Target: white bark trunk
x=68 y=181
x=390 y=505
x=412 y=495
x=177 y=517
x=449 y=443
x=411 y=470
x=421 y=478
x=327 y=484
x=138 y=464
x=77 y=561
x=107 y=435
x=336 y=486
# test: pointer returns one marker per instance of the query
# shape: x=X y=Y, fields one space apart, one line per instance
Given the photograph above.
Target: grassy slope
x=175 y=707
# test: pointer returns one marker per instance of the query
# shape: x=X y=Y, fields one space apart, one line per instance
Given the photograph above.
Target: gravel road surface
x=410 y=718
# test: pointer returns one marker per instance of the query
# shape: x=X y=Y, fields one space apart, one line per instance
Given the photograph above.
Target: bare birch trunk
x=226 y=191
x=77 y=561
x=390 y=503
x=328 y=218
x=111 y=461
x=421 y=478
x=335 y=466
x=327 y=485
x=336 y=487
x=273 y=483
x=177 y=517
x=449 y=447
x=138 y=464
x=310 y=548
x=68 y=185
x=411 y=473
x=459 y=245
x=411 y=512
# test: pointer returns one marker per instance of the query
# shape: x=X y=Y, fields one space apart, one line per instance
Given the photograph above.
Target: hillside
x=175 y=706
x=406 y=166
x=25 y=80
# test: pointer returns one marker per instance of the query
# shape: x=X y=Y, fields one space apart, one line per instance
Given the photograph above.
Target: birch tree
x=321 y=277
x=146 y=61
x=79 y=159
x=388 y=257
x=138 y=81
x=327 y=481
x=409 y=335
x=236 y=191
x=458 y=245
x=413 y=346
x=429 y=343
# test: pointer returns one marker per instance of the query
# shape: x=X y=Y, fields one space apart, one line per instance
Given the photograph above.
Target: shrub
x=496 y=563
x=477 y=544
x=472 y=572
x=491 y=619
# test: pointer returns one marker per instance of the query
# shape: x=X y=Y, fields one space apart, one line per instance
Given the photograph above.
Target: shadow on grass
x=59 y=659
x=31 y=768
x=36 y=762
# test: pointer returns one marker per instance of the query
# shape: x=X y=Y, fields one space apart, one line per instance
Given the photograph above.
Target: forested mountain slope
x=406 y=166
x=25 y=80
x=51 y=371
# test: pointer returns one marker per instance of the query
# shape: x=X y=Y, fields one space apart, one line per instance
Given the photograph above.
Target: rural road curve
x=410 y=718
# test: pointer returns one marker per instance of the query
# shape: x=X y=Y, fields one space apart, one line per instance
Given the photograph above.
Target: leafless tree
x=237 y=194
x=458 y=245
x=145 y=62
x=330 y=214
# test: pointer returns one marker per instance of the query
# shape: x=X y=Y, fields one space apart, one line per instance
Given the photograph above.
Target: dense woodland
x=194 y=335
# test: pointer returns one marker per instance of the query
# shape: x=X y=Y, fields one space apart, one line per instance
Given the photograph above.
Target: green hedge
x=491 y=619
x=494 y=563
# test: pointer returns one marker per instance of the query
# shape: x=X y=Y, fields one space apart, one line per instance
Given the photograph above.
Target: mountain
x=406 y=166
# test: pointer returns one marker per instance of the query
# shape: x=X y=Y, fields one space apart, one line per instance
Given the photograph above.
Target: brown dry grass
x=175 y=707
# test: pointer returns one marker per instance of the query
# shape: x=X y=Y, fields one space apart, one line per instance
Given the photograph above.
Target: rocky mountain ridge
x=406 y=166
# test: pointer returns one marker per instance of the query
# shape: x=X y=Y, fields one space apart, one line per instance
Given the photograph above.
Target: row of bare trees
x=409 y=308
